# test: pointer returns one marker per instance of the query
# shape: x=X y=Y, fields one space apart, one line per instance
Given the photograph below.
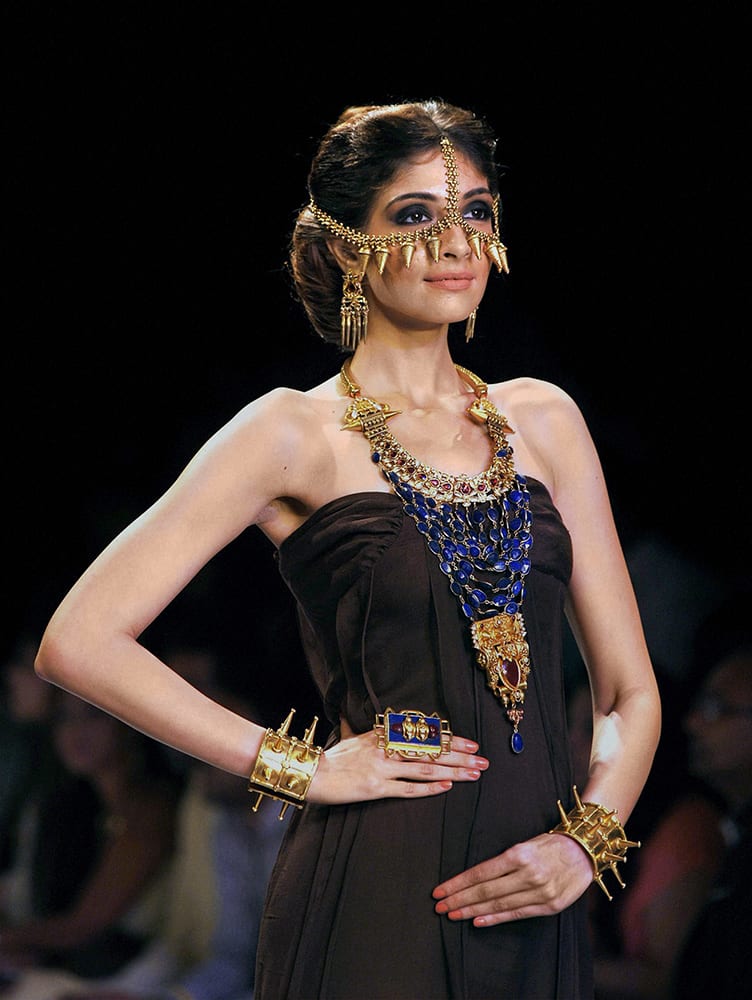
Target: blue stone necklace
x=478 y=527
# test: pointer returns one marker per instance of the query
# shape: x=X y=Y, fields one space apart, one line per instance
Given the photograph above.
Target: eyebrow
x=427 y=196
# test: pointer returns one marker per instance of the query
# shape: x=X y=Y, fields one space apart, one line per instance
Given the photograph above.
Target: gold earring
x=470 y=325
x=353 y=311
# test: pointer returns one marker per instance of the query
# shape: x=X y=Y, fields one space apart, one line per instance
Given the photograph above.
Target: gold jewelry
x=353 y=311
x=600 y=833
x=285 y=766
x=492 y=532
x=412 y=735
x=378 y=246
x=366 y=415
x=470 y=325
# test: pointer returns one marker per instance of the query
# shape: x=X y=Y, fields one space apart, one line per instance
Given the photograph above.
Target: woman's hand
x=357 y=770
x=536 y=878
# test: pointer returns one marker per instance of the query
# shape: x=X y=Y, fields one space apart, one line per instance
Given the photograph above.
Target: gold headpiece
x=369 y=246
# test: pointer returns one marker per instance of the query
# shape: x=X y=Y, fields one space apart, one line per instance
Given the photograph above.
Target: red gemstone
x=511 y=671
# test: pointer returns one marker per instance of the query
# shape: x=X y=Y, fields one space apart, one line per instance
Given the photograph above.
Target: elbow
x=54 y=661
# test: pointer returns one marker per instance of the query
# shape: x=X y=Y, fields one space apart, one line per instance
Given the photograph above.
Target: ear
x=345 y=254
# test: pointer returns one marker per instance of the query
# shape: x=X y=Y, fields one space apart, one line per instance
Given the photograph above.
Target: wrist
x=285 y=766
x=598 y=831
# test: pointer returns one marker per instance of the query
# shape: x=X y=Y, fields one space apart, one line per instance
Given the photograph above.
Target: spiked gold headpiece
x=369 y=246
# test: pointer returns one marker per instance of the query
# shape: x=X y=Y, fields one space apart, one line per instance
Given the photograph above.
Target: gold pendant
x=504 y=654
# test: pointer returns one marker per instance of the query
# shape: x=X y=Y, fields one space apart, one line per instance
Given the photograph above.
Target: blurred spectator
x=87 y=893
x=677 y=902
x=716 y=960
x=26 y=756
x=207 y=945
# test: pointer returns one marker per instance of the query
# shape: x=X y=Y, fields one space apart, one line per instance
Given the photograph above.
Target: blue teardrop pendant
x=516 y=742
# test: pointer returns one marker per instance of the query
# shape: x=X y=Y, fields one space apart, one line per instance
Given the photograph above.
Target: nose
x=454 y=243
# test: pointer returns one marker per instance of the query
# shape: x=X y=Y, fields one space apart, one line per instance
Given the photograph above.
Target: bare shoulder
x=279 y=417
x=547 y=424
x=533 y=399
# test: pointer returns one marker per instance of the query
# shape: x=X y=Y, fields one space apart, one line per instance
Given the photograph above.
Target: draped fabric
x=349 y=913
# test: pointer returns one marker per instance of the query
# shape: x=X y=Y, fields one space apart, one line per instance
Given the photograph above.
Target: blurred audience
x=85 y=891
x=676 y=932
x=27 y=760
x=716 y=959
x=205 y=946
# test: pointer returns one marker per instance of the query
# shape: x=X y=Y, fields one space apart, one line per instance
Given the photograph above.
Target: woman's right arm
x=91 y=645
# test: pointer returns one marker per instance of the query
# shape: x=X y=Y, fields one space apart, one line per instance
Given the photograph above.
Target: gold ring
x=412 y=735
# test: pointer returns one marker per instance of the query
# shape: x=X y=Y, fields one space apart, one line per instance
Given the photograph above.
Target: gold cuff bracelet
x=600 y=833
x=285 y=766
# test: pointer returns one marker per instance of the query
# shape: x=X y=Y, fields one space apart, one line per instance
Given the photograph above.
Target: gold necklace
x=493 y=536
x=369 y=416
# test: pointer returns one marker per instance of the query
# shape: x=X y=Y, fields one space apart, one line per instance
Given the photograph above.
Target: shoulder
x=547 y=424
x=274 y=421
x=534 y=399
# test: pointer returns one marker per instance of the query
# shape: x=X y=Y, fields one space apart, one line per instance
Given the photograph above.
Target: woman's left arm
x=546 y=874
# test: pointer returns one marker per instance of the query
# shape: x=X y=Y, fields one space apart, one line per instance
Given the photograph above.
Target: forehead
x=427 y=173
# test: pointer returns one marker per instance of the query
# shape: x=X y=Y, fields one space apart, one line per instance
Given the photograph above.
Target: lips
x=451 y=282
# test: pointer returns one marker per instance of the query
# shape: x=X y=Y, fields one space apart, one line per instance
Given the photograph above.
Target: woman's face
x=428 y=293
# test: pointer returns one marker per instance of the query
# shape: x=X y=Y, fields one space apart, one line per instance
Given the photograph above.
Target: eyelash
x=418 y=215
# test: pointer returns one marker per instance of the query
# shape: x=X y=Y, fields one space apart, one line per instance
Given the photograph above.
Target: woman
x=96 y=849
x=421 y=863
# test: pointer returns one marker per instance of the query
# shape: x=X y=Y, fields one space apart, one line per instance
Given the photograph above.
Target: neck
x=418 y=378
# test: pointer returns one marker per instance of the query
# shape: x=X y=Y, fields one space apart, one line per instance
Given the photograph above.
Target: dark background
x=154 y=160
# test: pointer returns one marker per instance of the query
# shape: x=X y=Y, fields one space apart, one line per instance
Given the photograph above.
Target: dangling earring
x=353 y=311
x=470 y=325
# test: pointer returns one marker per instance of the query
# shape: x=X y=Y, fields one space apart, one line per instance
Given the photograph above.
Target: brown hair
x=358 y=155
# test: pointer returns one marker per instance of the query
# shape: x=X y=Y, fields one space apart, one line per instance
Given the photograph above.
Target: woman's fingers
x=356 y=769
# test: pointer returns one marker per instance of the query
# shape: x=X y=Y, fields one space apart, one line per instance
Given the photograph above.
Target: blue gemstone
x=493 y=514
x=375 y=458
x=512 y=608
x=468 y=610
x=516 y=742
x=434 y=547
x=516 y=588
x=446 y=567
x=455 y=588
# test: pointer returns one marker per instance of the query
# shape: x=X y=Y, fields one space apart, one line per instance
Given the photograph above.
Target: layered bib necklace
x=478 y=527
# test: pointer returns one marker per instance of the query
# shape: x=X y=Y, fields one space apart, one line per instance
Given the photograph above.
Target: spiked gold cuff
x=285 y=766
x=600 y=833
